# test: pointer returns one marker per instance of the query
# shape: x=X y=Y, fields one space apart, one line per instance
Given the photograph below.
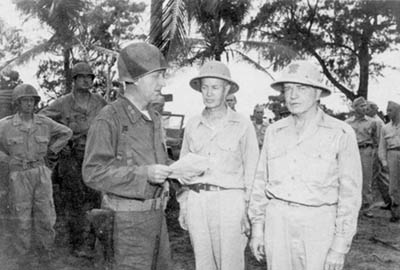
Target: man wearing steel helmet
x=307 y=190
x=25 y=139
x=125 y=159
x=77 y=111
x=213 y=207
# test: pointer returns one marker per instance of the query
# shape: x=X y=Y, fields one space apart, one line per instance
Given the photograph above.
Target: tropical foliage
x=342 y=36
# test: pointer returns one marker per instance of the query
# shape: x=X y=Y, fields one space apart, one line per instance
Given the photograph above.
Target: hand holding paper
x=189 y=166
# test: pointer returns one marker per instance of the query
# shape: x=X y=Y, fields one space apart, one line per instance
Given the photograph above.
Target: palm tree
x=63 y=18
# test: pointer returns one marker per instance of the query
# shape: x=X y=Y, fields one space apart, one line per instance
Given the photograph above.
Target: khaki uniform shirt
x=121 y=143
x=366 y=130
x=19 y=144
x=389 y=139
x=232 y=150
x=320 y=167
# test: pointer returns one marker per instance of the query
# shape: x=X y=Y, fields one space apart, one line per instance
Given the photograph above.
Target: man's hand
x=257 y=247
x=245 y=224
x=182 y=217
x=158 y=173
x=334 y=260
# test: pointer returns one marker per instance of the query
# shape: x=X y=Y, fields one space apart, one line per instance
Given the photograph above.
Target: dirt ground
x=366 y=253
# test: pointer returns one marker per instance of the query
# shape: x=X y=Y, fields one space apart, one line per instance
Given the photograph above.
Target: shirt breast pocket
x=42 y=144
x=15 y=145
x=318 y=165
x=277 y=164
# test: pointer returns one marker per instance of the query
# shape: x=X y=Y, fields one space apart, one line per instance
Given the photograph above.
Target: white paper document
x=189 y=166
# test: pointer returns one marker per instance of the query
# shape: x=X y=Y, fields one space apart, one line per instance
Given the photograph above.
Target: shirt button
x=292 y=178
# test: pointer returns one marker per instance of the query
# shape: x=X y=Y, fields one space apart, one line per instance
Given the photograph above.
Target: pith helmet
x=138 y=59
x=82 y=68
x=24 y=90
x=302 y=72
x=214 y=69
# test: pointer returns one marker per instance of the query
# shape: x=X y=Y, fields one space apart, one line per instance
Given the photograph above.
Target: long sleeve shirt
x=320 y=167
x=232 y=150
x=19 y=143
x=122 y=142
x=389 y=139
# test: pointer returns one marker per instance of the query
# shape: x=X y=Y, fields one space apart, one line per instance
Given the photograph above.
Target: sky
x=254 y=84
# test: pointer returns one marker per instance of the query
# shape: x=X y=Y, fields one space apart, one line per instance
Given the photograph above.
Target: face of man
x=300 y=98
x=214 y=92
x=231 y=101
x=370 y=110
x=360 y=108
x=27 y=105
x=259 y=114
x=392 y=112
x=150 y=85
x=83 y=82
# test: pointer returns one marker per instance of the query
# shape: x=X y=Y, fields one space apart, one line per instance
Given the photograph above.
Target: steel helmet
x=302 y=72
x=82 y=68
x=138 y=59
x=24 y=90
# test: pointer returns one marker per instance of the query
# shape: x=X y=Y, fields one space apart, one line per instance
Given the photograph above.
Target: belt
x=116 y=203
x=208 y=187
x=22 y=165
x=394 y=149
x=365 y=145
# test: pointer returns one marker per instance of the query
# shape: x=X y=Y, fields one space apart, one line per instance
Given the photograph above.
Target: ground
x=365 y=254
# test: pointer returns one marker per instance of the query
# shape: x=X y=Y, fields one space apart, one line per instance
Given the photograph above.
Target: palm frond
x=253 y=62
x=27 y=55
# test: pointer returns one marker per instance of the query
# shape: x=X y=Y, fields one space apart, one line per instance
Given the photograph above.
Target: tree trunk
x=67 y=70
x=363 y=59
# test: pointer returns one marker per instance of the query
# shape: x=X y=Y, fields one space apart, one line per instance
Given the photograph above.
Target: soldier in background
x=231 y=101
x=366 y=130
x=389 y=154
x=77 y=111
x=25 y=140
x=380 y=176
x=259 y=124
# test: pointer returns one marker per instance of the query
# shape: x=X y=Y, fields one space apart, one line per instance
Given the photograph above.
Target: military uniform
x=30 y=187
x=78 y=198
x=306 y=212
x=389 y=154
x=380 y=176
x=367 y=136
x=121 y=143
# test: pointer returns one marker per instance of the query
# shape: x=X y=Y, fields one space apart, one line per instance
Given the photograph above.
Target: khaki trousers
x=367 y=162
x=214 y=224
x=298 y=237
x=32 y=209
x=393 y=158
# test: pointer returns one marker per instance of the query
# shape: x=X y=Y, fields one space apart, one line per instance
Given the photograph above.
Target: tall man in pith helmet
x=213 y=207
x=25 y=140
x=77 y=110
x=125 y=159
x=389 y=154
x=307 y=190
x=380 y=174
x=366 y=130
